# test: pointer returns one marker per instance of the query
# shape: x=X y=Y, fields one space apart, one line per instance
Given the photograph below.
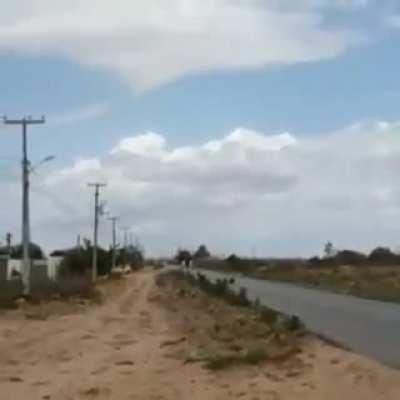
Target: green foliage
x=383 y=256
x=293 y=324
x=35 y=252
x=329 y=250
x=133 y=256
x=201 y=252
x=222 y=288
x=183 y=256
x=233 y=259
x=221 y=361
x=78 y=261
x=267 y=315
x=349 y=257
x=241 y=298
x=250 y=357
x=9 y=291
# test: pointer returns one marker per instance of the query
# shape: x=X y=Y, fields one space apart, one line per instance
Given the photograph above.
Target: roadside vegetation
x=74 y=278
x=373 y=276
x=224 y=328
x=78 y=261
x=371 y=282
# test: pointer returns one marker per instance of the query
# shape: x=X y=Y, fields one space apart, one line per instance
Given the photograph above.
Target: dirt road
x=113 y=352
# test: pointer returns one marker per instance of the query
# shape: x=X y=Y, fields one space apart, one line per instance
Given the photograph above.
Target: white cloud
x=148 y=43
x=147 y=145
x=85 y=113
x=284 y=194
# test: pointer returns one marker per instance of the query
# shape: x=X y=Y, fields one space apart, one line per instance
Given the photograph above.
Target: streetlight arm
x=40 y=163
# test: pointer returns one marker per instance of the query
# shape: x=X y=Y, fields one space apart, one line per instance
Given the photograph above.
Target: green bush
x=79 y=262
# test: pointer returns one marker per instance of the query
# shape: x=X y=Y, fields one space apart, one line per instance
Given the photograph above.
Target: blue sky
x=328 y=66
x=308 y=98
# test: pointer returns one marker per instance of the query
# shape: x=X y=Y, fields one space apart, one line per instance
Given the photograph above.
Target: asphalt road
x=368 y=327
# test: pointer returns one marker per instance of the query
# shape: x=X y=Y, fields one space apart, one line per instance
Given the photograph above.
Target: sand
x=115 y=351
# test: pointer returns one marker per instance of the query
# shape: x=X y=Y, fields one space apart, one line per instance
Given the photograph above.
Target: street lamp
x=40 y=163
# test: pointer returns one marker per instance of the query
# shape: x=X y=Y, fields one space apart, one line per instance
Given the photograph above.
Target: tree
x=350 y=257
x=78 y=261
x=233 y=259
x=35 y=252
x=329 y=250
x=201 y=252
x=132 y=255
x=183 y=256
x=383 y=255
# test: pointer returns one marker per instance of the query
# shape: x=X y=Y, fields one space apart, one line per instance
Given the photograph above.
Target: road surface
x=369 y=327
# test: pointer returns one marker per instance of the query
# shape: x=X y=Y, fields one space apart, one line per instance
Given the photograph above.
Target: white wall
x=53 y=263
x=14 y=265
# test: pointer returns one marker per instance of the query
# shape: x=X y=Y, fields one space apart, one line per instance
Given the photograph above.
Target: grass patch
x=227 y=329
x=249 y=357
x=222 y=288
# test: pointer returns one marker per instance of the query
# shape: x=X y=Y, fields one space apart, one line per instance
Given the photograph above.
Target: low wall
x=40 y=268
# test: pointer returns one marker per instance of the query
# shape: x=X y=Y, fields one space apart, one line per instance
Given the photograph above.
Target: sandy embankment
x=114 y=351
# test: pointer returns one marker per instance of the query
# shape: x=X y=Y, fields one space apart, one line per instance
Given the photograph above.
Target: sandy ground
x=114 y=351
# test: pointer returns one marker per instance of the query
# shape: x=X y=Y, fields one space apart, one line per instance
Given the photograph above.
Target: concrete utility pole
x=97 y=207
x=9 y=242
x=114 y=239
x=26 y=231
x=131 y=241
x=126 y=230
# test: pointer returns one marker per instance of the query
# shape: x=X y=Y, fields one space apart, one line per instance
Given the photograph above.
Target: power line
x=97 y=208
x=26 y=233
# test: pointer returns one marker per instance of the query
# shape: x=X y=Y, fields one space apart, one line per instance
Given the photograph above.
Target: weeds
x=45 y=289
x=222 y=288
x=249 y=357
x=248 y=333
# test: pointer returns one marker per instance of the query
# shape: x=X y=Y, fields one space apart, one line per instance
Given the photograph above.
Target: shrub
x=250 y=357
x=267 y=315
x=9 y=292
x=133 y=255
x=35 y=252
x=383 y=255
x=349 y=257
x=233 y=259
x=293 y=324
x=241 y=298
x=201 y=252
x=183 y=256
x=79 y=262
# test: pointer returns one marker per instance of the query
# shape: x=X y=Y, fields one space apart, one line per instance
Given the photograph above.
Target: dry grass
x=372 y=282
x=219 y=334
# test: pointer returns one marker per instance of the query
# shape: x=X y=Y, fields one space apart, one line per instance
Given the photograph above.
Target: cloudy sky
x=266 y=126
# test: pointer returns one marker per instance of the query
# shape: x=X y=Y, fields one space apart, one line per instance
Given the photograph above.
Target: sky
x=261 y=127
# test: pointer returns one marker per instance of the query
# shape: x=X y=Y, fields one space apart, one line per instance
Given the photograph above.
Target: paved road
x=369 y=327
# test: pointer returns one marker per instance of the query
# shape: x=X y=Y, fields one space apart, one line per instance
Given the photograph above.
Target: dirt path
x=113 y=352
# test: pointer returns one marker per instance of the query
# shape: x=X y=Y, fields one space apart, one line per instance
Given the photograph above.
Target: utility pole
x=114 y=239
x=126 y=230
x=133 y=240
x=9 y=242
x=26 y=231
x=97 y=207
